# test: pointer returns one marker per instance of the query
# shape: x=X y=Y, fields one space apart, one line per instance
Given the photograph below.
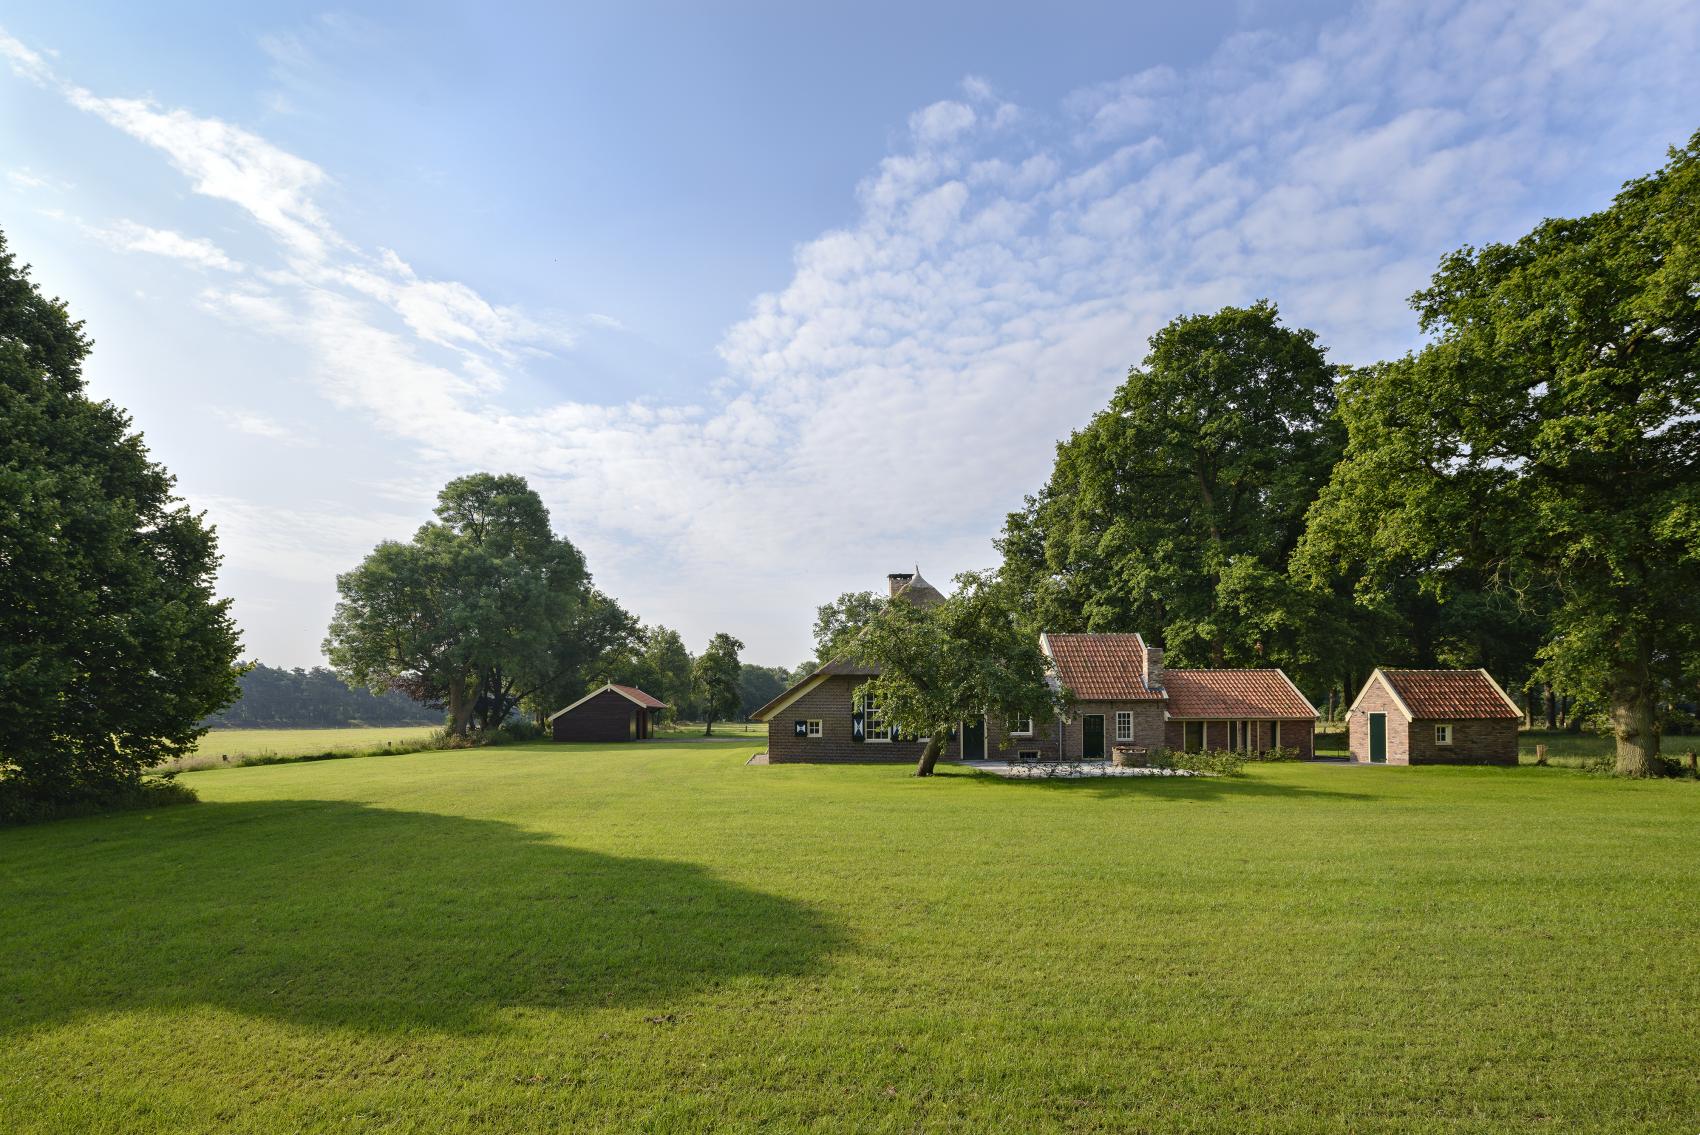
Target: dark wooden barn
x=613 y=713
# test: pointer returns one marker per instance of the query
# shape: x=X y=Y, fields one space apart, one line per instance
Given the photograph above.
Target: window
x=1027 y=755
x=1443 y=734
x=1124 y=725
x=1193 y=740
x=873 y=728
x=1021 y=727
x=812 y=729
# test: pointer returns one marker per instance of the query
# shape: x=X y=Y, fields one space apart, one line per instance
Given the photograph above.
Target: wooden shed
x=1414 y=717
x=612 y=713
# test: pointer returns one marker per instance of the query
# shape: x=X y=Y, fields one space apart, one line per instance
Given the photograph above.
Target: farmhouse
x=1122 y=695
x=1412 y=717
x=612 y=713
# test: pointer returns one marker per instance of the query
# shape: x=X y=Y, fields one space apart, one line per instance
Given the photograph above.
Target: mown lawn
x=236 y=743
x=660 y=938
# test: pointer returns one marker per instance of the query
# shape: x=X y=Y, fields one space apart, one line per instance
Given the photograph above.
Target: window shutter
x=800 y=728
x=858 y=730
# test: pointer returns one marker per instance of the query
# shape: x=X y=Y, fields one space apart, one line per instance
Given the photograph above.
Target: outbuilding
x=1417 y=717
x=612 y=713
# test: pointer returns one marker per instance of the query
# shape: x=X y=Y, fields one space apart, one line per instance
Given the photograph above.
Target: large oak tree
x=1549 y=438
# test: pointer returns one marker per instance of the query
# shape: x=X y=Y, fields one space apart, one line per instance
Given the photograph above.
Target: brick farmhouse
x=1121 y=694
x=612 y=713
x=1415 y=717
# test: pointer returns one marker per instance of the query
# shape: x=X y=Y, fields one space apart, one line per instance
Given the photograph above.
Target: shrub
x=17 y=807
x=1220 y=762
x=517 y=732
x=1281 y=753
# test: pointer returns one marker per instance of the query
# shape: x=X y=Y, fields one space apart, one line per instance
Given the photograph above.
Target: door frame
x=1103 y=740
x=962 y=742
x=1370 y=746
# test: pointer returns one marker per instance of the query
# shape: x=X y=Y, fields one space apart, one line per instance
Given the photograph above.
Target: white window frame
x=1028 y=755
x=1124 y=725
x=1443 y=734
x=1021 y=727
x=811 y=730
x=878 y=735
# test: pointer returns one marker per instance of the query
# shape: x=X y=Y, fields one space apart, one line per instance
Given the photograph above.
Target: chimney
x=1153 y=667
x=898 y=580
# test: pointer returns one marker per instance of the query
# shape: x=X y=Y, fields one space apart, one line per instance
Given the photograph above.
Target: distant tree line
x=273 y=697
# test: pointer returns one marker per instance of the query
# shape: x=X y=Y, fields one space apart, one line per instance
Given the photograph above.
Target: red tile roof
x=1101 y=667
x=637 y=695
x=1225 y=694
x=1442 y=694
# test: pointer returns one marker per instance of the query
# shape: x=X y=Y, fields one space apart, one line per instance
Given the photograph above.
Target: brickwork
x=1147 y=725
x=1474 y=741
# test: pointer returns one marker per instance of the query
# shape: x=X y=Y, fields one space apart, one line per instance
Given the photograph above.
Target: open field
x=756 y=730
x=659 y=937
x=237 y=743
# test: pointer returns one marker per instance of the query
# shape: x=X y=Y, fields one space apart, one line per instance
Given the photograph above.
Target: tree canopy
x=1174 y=511
x=838 y=622
x=1548 y=439
x=113 y=644
x=714 y=680
x=470 y=613
x=943 y=664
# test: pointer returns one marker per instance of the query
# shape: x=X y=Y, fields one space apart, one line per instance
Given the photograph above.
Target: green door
x=1092 y=736
x=1378 y=738
x=974 y=739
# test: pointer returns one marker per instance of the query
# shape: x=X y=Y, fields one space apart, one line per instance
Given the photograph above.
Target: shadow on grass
x=1181 y=788
x=333 y=914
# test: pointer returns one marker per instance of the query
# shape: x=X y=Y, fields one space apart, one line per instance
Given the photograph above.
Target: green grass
x=756 y=730
x=658 y=937
x=239 y=743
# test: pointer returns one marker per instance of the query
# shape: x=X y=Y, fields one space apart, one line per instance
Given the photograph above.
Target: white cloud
x=128 y=236
x=258 y=425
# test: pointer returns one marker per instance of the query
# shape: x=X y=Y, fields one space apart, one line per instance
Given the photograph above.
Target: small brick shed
x=1413 y=717
x=612 y=713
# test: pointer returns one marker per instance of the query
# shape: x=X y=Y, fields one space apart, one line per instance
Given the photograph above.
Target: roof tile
x=1102 y=667
x=1228 y=694
x=1449 y=693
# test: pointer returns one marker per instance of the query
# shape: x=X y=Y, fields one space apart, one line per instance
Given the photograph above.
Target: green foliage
x=595 y=643
x=839 y=622
x=19 y=807
x=940 y=665
x=1217 y=762
x=471 y=613
x=1174 y=511
x=714 y=680
x=1548 y=440
x=272 y=697
x=113 y=646
x=758 y=685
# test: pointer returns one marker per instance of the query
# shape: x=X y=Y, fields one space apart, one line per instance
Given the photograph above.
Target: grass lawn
x=235 y=743
x=755 y=730
x=657 y=937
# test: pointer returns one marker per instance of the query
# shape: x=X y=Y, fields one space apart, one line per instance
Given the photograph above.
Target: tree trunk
x=1635 y=720
x=708 y=726
x=1550 y=704
x=930 y=755
x=460 y=706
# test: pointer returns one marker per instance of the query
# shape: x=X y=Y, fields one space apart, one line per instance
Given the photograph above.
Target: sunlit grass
x=659 y=937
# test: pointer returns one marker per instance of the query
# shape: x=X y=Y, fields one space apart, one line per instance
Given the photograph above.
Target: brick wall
x=830 y=704
x=1147 y=725
x=1474 y=742
x=1378 y=700
x=605 y=717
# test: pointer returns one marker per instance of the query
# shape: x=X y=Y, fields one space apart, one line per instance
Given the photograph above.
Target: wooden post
x=1540 y=754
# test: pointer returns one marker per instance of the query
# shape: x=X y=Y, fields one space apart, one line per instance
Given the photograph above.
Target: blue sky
x=767 y=300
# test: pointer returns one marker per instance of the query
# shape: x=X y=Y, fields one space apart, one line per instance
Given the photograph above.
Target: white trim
x=1121 y=713
x=1378 y=676
x=1027 y=732
x=1438 y=726
x=812 y=729
x=594 y=693
x=789 y=696
x=1498 y=689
